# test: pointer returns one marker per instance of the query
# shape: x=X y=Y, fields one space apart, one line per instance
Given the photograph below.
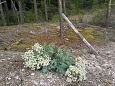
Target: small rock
x=108 y=53
x=113 y=81
x=99 y=68
x=2 y=55
x=8 y=83
x=23 y=70
x=17 y=77
x=34 y=82
x=66 y=39
x=92 y=55
x=9 y=78
x=3 y=59
x=32 y=32
x=32 y=74
x=113 y=76
x=99 y=85
x=8 y=58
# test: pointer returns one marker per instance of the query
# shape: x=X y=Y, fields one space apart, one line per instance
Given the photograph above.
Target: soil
x=100 y=69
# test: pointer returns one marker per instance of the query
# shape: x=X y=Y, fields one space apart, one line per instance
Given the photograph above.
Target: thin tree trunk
x=2 y=14
x=15 y=9
x=21 y=12
x=61 y=19
x=7 y=16
x=64 y=6
x=46 y=10
x=36 y=11
x=12 y=7
x=108 y=13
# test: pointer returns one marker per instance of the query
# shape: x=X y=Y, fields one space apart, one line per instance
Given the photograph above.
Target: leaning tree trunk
x=108 y=13
x=2 y=14
x=46 y=10
x=80 y=35
x=21 y=12
x=36 y=11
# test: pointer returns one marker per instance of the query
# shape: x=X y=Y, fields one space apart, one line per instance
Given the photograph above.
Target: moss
x=22 y=46
x=89 y=30
x=53 y=25
x=52 y=36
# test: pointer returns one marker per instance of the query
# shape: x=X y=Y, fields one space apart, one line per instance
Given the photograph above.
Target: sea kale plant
x=38 y=56
x=48 y=57
x=61 y=60
x=77 y=72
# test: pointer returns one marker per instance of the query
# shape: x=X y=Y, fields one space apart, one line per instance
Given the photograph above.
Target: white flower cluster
x=37 y=47
x=36 y=58
x=76 y=72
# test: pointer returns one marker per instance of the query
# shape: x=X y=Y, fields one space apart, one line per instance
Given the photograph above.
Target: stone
x=34 y=82
x=32 y=74
x=9 y=78
x=92 y=55
x=17 y=77
x=108 y=53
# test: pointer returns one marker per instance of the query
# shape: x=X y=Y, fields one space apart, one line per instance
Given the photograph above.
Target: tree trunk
x=12 y=7
x=21 y=12
x=15 y=10
x=36 y=11
x=7 y=16
x=64 y=6
x=2 y=14
x=46 y=10
x=108 y=13
x=61 y=19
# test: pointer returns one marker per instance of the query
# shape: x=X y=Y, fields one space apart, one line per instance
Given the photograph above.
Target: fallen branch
x=79 y=34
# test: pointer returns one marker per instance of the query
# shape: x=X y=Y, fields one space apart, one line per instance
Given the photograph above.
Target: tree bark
x=64 y=6
x=7 y=16
x=2 y=14
x=36 y=11
x=61 y=19
x=80 y=35
x=12 y=7
x=46 y=10
x=21 y=12
x=15 y=10
x=108 y=13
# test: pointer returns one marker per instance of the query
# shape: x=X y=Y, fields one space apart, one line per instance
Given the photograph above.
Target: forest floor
x=14 y=41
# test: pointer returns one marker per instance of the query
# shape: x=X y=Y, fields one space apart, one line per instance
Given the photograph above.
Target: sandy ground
x=100 y=69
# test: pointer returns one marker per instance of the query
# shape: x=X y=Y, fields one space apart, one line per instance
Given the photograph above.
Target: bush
x=48 y=57
x=37 y=57
x=51 y=58
x=61 y=60
x=77 y=72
